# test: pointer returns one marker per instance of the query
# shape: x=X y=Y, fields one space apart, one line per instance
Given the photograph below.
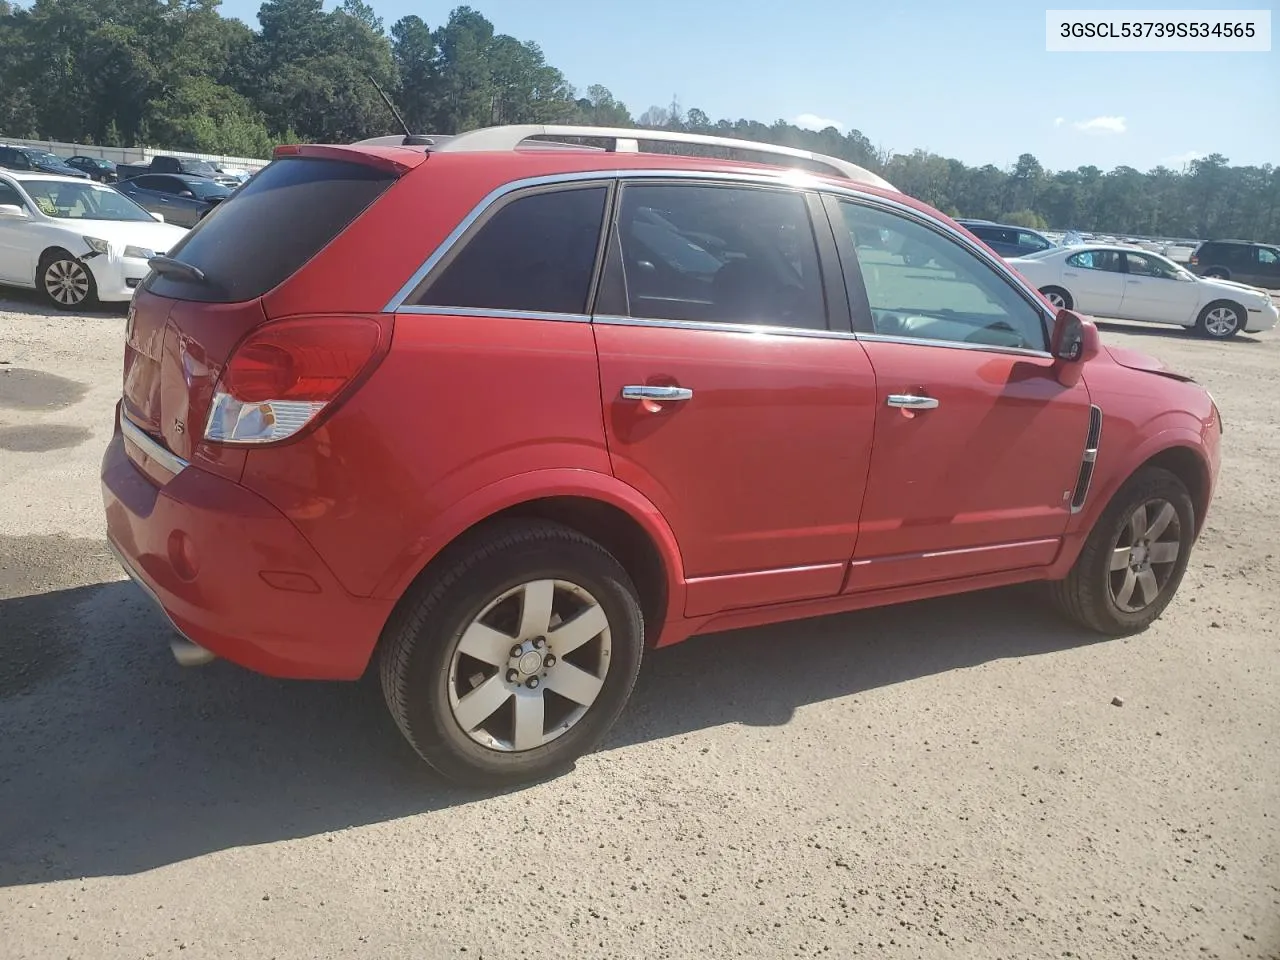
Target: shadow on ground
x=115 y=760
x=31 y=303
x=1165 y=332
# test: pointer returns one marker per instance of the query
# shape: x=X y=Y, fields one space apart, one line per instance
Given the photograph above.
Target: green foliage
x=178 y=74
x=1026 y=218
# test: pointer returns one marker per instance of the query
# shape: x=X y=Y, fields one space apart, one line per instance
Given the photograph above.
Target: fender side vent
x=1088 y=460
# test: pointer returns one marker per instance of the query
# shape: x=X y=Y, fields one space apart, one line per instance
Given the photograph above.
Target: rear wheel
x=516 y=656
x=1220 y=320
x=65 y=281
x=1058 y=297
x=1134 y=558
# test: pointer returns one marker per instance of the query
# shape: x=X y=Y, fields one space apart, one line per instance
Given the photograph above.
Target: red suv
x=501 y=413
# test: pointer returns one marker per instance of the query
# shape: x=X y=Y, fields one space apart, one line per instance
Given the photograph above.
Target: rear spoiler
x=395 y=159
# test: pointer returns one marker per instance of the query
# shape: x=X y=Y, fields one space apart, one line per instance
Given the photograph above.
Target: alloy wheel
x=1221 y=321
x=1145 y=555
x=67 y=282
x=529 y=666
x=1057 y=299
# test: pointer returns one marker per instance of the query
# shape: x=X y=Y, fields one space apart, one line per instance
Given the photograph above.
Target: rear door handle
x=909 y=401
x=646 y=392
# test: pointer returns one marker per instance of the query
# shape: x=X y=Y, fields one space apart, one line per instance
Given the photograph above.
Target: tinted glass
x=207 y=189
x=1108 y=260
x=923 y=284
x=276 y=223
x=537 y=253
x=146 y=182
x=10 y=196
x=1147 y=266
x=716 y=254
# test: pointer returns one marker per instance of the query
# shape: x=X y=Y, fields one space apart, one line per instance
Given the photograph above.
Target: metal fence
x=132 y=154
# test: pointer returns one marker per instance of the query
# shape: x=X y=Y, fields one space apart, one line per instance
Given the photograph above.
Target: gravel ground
x=947 y=778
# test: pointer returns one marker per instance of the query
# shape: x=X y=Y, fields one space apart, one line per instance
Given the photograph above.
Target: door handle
x=909 y=401
x=645 y=392
x=1135 y=281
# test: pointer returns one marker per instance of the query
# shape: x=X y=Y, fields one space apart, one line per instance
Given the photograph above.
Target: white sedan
x=76 y=241
x=1131 y=284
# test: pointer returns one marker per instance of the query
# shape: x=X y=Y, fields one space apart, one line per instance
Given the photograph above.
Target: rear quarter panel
x=459 y=404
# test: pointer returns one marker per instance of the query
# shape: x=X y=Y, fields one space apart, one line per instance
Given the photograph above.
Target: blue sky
x=965 y=78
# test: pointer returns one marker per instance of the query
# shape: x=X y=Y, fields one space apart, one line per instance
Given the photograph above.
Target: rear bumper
x=233 y=575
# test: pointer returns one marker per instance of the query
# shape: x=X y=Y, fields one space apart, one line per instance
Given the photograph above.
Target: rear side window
x=537 y=253
x=272 y=226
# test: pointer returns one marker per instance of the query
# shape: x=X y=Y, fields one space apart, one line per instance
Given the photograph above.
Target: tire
x=1058 y=297
x=1093 y=594
x=1221 y=320
x=1216 y=273
x=493 y=576
x=65 y=282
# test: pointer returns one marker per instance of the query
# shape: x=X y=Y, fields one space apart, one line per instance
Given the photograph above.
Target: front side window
x=537 y=253
x=1031 y=242
x=81 y=200
x=1268 y=256
x=937 y=289
x=715 y=254
x=1105 y=260
x=1143 y=265
x=9 y=197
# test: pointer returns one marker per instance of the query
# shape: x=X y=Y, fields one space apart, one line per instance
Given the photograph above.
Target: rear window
x=272 y=226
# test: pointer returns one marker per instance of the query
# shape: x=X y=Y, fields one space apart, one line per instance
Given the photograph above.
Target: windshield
x=40 y=156
x=81 y=201
x=202 y=167
x=208 y=189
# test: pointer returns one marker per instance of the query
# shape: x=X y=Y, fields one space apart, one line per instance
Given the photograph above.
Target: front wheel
x=66 y=282
x=1058 y=297
x=1220 y=320
x=1134 y=558
x=514 y=657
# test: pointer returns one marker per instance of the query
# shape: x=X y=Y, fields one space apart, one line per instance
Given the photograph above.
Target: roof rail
x=627 y=140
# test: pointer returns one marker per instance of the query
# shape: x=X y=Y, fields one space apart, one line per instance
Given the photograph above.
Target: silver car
x=180 y=198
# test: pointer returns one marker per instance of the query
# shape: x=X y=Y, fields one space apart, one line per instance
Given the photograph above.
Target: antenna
x=409 y=138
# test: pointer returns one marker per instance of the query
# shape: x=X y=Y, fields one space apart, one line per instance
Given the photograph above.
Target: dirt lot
x=942 y=779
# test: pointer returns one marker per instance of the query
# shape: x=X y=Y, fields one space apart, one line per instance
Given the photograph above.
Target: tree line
x=177 y=74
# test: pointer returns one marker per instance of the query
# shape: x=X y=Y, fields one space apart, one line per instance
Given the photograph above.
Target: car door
x=1095 y=280
x=729 y=402
x=142 y=190
x=184 y=211
x=1155 y=291
x=977 y=446
x=17 y=260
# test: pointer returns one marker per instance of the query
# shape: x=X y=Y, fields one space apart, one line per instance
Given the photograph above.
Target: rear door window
x=712 y=253
x=276 y=222
x=536 y=253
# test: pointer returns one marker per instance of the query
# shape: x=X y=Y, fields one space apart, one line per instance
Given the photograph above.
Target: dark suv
x=1006 y=239
x=1257 y=264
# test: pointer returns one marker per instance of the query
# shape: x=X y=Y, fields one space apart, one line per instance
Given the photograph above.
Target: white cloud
x=1101 y=125
x=811 y=121
x=1182 y=159
x=1059 y=121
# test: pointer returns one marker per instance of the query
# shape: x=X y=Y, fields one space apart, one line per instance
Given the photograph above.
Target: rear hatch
x=207 y=294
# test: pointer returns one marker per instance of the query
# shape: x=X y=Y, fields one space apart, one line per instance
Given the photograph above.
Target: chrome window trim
x=155 y=451
x=786 y=179
x=957 y=345
x=499 y=314
x=756 y=329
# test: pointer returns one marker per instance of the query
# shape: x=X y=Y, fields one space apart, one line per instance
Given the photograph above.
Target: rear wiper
x=173 y=267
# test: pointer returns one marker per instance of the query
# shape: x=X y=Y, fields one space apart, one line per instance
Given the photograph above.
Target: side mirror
x=1075 y=342
x=158 y=217
x=12 y=211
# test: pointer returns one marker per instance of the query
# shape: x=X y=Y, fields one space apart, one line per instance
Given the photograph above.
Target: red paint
x=786 y=487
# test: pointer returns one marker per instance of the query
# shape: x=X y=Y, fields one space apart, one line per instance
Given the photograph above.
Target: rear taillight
x=284 y=374
x=1194 y=260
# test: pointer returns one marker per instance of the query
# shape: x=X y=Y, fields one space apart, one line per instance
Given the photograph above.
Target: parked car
x=40 y=161
x=1129 y=284
x=1257 y=264
x=104 y=171
x=75 y=241
x=182 y=166
x=181 y=199
x=1006 y=240
x=492 y=423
